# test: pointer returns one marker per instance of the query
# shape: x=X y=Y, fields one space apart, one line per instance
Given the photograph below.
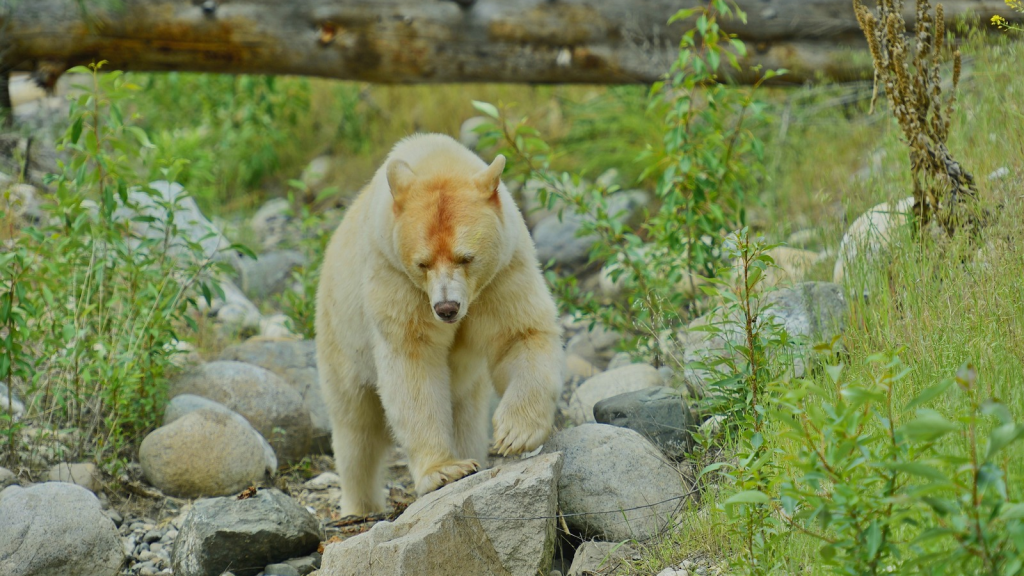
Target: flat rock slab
x=496 y=522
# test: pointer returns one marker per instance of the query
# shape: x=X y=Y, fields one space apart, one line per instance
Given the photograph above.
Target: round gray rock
x=611 y=383
x=56 y=528
x=185 y=403
x=273 y=407
x=243 y=535
x=615 y=485
x=295 y=362
x=203 y=453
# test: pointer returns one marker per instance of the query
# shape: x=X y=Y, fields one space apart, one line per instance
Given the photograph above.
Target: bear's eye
x=423 y=265
x=464 y=260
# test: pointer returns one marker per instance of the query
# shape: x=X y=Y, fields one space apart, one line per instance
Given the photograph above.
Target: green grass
x=939 y=305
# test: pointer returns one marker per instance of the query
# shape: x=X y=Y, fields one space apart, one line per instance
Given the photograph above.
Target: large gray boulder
x=474 y=526
x=56 y=528
x=185 y=403
x=295 y=362
x=203 y=453
x=243 y=536
x=273 y=407
x=611 y=383
x=659 y=414
x=615 y=485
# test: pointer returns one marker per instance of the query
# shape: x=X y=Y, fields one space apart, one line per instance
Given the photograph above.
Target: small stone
x=151 y=536
x=317 y=171
x=596 y=346
x=611 y=383
x=269 y=273
x=7 y=478
x=578 y=367
x=15 y=407
x=156 y=547
x=619 y=360
x=599 y=558
x=280 y=570
x=114 y=516
x=999 y=173
x=324 y=481
x=85 y=474
x=304 y=565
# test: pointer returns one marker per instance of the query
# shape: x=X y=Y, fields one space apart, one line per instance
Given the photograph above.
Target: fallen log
x=408 y=41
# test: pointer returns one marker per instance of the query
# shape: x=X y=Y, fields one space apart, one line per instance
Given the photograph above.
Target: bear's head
x=448 y=232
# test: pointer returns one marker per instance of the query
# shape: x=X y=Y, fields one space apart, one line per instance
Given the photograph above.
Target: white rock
x=473 y=526
x=870 y=234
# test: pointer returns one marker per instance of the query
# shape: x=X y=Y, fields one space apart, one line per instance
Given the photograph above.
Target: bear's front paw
x=446 y=473
x=518 y=431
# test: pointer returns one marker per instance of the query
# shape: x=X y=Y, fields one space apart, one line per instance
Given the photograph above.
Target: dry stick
x=6 y=105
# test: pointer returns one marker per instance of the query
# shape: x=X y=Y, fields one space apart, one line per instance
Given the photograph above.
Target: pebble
x=280 y=570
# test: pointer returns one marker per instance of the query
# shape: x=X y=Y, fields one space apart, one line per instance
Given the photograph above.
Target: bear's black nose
x=447 y=311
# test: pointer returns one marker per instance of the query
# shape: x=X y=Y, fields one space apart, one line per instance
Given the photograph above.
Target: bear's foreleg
x=528 y=376
x=416 y=394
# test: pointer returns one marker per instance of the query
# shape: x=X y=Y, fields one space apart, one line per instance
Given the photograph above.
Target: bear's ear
x=400 y=178
x=487 y=180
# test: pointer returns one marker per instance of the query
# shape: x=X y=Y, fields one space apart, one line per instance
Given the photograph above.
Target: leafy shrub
x=92 y=307
x=236 y=130
x=705 y=169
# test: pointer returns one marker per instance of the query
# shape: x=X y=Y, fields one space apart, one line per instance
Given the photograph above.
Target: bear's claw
x=445 y=473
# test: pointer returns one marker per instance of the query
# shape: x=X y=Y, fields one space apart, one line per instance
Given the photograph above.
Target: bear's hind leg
x=360 y=441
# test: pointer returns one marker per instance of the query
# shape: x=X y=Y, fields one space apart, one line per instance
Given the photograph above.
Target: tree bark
x=417 y=41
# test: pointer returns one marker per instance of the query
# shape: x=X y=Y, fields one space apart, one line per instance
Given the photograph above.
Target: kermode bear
x=430 y=294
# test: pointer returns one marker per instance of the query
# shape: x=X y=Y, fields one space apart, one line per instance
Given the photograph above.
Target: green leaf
x=486 y=108
x=76 y=130
x=747 y=497
x=928 y=426
x=929 y=394
x=1003 y=436
x=919 y=469
x=141 y=136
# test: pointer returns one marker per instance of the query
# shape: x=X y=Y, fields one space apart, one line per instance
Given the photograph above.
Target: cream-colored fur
x=434 y=230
